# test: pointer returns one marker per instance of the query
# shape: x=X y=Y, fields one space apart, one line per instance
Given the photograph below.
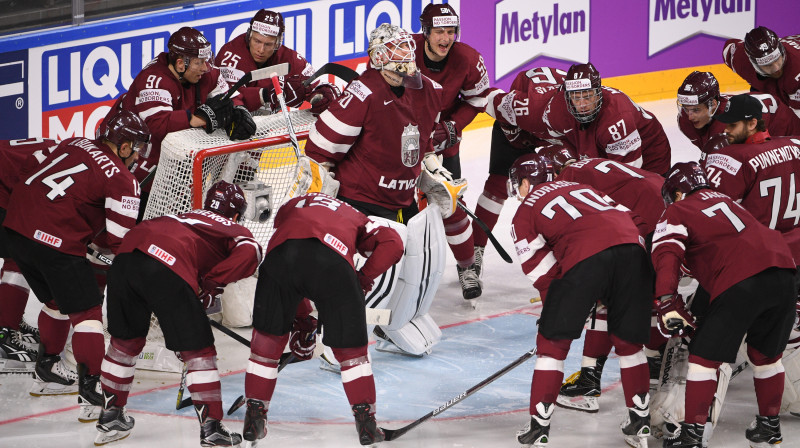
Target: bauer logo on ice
x=673 y=21
x=526 y=30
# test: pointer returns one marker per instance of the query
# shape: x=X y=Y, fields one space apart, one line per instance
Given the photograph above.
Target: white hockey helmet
x=392 y=48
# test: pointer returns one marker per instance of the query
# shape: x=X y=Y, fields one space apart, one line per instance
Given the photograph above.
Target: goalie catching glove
x=313 y=177
x=673 y=317
x=303 y=339
x=439 y=186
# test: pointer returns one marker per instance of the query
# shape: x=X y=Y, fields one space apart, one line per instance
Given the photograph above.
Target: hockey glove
x=322 y=97
x=673 y=317
x=313 y=177
x=216 y=112
x=211 y=295
x=303 y=339
x=242 y=125
x=520 y=139
x=445 y=135
x=294 y=92
x=365 y=282
x=439 y=186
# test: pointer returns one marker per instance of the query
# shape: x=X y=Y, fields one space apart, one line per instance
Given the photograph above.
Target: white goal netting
x=191 y=161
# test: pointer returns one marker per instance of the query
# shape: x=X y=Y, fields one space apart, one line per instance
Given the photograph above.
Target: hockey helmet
x=226 y=199
x=534 y=167
x=267 y=23
x=583 y=92
x=392 y=48
x=684 y=177
x=698 y=88
x=713 y=145
x=438 y=16
x=125 y=126
x=763 y=47
x=191 y=43
x=560 y=155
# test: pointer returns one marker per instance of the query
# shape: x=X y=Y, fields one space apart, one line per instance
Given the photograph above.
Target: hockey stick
x=392 y=434
x=285 y=111
x=346 y=74
x=503 y=254
x=257 y=75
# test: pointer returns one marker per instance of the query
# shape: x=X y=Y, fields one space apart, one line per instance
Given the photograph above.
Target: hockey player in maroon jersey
x=175 y=267
x=460 y=70
x=181 y=89
x=699 y=99
x=748 y=271
x=599 y=121
x=509 y=142
x=15 y=355
x=80 y=188
x=262 y=46
x=577 y=248
x=769 y=64
x=640 y=191
x=311 y=255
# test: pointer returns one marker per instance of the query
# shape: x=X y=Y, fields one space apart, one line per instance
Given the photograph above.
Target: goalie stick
x=346 y=74
x=503 y=254
x=392 y=434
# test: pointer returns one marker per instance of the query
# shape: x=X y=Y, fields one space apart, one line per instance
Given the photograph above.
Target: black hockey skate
x=764 y=432
x=113 y=424
x=537 y=432
x=478 y=251
x=14 y=356
x=688 y=435
x=636 y=425
x=90 y=395
x=471 y=287
x=52 y=377
x=213 y=432
x=28 y=336
x=255 y=421
x=582 y=389
x=366 y=426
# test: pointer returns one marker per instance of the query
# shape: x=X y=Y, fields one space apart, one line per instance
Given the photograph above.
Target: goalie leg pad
x=416 y=337
x=667 y=403
x=791 y=387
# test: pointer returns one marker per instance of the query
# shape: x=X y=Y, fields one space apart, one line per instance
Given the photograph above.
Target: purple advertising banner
x=621 y=37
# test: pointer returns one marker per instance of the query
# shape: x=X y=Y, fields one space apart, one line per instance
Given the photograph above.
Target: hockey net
x=191 y=161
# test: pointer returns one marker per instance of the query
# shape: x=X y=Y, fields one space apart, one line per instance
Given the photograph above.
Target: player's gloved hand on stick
x=445 y=135
x=217 y=113
x=303 y=339
x=673 y=317
x=322 y=97
x=242 y=125
x=211 y=295
x=294 y=92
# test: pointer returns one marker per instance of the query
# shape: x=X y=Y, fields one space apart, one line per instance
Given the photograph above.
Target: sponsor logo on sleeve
x=625 y=146
x=724 y=162
x=359 y=90
x=523 y=249
x=150 y=95
x=161 y=254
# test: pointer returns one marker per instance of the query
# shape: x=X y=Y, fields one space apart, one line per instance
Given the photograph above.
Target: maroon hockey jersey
x=341 y=227
x=166 y=104
x=377 y=139
x=464 y=82
x=719 y=241
x=13 y=154
x=234 y=61
x=763 y=178
x=561 y=223
x=786 y=88
x=622 y=131
x=778 y=117
x=81 y=187
x=635 y=188
x=196 y=245
x=524 y=105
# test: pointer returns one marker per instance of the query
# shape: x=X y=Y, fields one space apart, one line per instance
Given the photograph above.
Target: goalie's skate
x=383 y=343
x=52 y=376
x=636 y=425
x=764 y=432
x=581 y=390
x=113 y=424
x=14 y=357
x=537 y=432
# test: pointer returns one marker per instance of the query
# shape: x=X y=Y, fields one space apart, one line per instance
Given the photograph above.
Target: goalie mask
x=391 y=49
x=534 y=167
x=125 y=126
x=699 y=88
x=226 y=199
x=560 y=156
x=683 y=177
x=583 y=92
x=765 y=51
x=438 y=16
